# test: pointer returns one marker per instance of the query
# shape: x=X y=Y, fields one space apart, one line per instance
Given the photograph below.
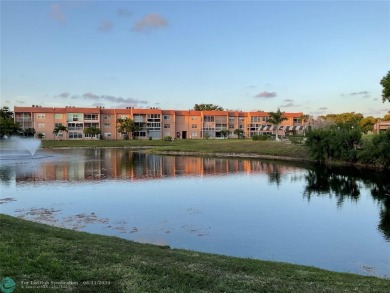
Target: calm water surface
x=337 y=219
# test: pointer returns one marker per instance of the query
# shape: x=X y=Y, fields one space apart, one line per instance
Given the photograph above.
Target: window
x=231 y=125
x=107 y=117
x=123 y=116
x=154 y=125
x=91 y=116
x=208 y=118
x=257 y=119
x=194 y=118
x=41 y=125
x=167 y=117
x=194 y=126
x=107 y=125
x=75 y=126
x=154 y=116
x=167 y=126
x=231 y=118
x=41 y=116
x=241 y=126
x=194 y=134
x=73 y=134
x=138 y=118
x=57 y=116
x=57 y=124
x=75 y=117
x=107 y=134
x=241 y=118
x=89 y=135
x=296 y=120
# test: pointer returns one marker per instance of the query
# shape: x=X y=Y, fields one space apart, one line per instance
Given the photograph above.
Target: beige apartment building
x=155 y=123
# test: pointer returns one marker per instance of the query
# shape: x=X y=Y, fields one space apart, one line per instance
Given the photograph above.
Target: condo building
x=154 y=123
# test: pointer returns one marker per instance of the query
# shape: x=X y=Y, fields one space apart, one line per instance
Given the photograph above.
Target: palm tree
x=276 y=118
x=59 y=129
x=239 y=132
x=305 y=118
x=225 y=133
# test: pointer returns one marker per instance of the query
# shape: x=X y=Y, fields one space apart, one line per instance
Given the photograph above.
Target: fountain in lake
x=18 y=148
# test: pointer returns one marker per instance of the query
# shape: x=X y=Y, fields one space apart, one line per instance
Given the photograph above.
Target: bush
x=260 y=137
x=376 y=150
x=296 y=139
x=334 y=143
x=167 y=138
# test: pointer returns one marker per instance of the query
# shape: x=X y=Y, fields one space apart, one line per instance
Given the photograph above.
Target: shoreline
x=125 y=265
x=230 y=155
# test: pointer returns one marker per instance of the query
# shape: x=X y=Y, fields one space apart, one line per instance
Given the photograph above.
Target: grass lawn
x=32 y=253
x=201 y=146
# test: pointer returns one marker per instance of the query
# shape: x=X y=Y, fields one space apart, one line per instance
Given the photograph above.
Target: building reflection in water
x=102 y=164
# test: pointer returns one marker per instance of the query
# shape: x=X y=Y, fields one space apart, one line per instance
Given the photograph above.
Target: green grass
x=35 y=252
x=200 y=146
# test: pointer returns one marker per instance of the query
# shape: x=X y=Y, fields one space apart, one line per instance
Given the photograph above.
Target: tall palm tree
x=305 y=119
x=59 y=129
x=276 y=118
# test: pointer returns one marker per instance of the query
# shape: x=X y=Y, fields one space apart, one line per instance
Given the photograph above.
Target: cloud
x=105 y=26
x=375 y=99
x=119 y=100
x=359 y=93
x=323 y=108
x=56 y=13
x=18 y=101
x=288 y=105
x=91 y=96
x=64 y=95
x=99 y=99
x=151 y=21
x=288 y=100
x=266 y=95
x=123 y=12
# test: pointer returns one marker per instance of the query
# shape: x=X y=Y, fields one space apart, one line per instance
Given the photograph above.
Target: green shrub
x=167 y=138
x=376 y=150
x=297 y=139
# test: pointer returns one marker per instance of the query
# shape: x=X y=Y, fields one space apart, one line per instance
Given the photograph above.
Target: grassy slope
x=37 y=252
x=201 y=146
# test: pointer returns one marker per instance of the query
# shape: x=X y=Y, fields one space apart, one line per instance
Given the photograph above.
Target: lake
x=332 y=218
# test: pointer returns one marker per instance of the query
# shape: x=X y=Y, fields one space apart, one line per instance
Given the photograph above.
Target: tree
x=305 y=119
x=385 y=83
x=29 y=132
x=93 y=131
x=276 y=118
x=239 y=133
x=57 y=131
x=225 y=133
x=367 y=124
x=8 y=126
x=127 y=126
x=386 y=117
x=207 y=107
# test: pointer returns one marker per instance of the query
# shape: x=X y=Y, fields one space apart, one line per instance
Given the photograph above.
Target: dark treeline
x=346 y=183
x=345 y=142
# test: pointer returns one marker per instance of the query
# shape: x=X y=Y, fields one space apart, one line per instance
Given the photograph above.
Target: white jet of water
x=29 y=144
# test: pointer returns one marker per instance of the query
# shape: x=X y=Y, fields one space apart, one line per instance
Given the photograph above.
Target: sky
x=315 y=57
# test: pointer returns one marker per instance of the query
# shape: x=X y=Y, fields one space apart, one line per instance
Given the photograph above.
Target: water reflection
x=346 y=183
x=241 y=207
x=102 y=164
